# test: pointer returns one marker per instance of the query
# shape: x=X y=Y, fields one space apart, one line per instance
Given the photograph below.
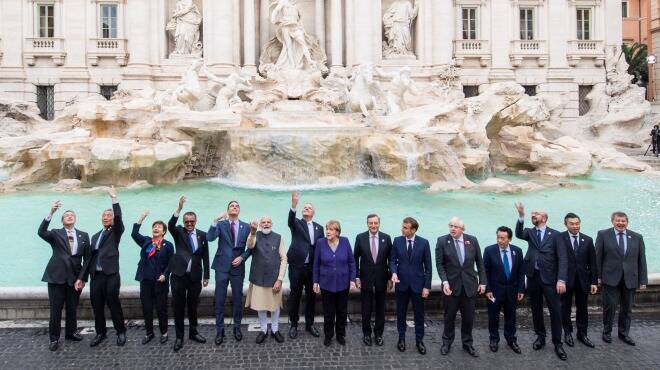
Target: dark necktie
x=98 y=246
x=539 y=236
x=410 y=248
x=232 y=229
x=575 y=243
x=192 y=242
x=622 y=248
x=458 y=252
x=505 y=261
x=71 y=241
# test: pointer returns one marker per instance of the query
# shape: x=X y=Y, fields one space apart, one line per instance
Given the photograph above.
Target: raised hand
x=295 y=197
x=221 y=217
x=182 y=201
x=112 y=192
x=56 y=205
x=521 y=209
x=144 y=215
x=253 y=226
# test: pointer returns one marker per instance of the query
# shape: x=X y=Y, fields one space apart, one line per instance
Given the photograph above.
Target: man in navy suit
x=546 y=267
x=229 y=266
x=582 y=279
x=410 y=264
x=505 y=286
x=304 y=234
x=461 y=269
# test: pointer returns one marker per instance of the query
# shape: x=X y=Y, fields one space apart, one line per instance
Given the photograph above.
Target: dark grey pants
x=613 y=295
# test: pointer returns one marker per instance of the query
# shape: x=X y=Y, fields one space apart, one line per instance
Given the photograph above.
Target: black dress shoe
x=493 y=345
x=98 y=339
x=444 y=350
x=559 y=350
x=568 y=339
x=178 y=344
x=367 y=340
x=197 y=338
x=515 y=347
x=585 y=340
x=626 y=339
x=470 y=350
x=238 y=335
x=147 y=338
x=219 y=338
x=327 y=341
x=538 y=343
x=313 y=331
x=341 y=340
x=421 y=348
x=121 y=339
x=163 y=338
x=53 y=345
x=379 y=341
x=74 y=337
x=293 y=332
x=401 y=345
x=279 y=338
x=607 y=338
x=261 y=337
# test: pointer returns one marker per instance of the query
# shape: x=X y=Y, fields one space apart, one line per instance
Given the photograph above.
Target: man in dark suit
x=505 y=287
x=229 y=266
x=546 y=267
x=104 y=269
x=189 y=264
x=410 y=264
x=621 y=266
x=456 y=256
x=70 y=246
x=372 y=256
x=304 y=234
x=582 y=279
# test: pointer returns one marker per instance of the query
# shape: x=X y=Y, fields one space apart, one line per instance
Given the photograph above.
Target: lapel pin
x=549 y=232
x=582 y=239
x=382 y=240
x=448 y=242
x=629 y=237
x=513 y=253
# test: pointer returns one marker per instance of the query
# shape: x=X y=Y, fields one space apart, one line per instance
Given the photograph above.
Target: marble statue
x=397 y=23
x=400 y=84
x=190 y=91
x=230 y=86
x=616 y=71
x=365 y=91
x=184 y=28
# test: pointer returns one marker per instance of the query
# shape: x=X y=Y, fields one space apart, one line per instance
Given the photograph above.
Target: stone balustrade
x=107 y=48
x=585 y=49
x=47 y=47
x=529 y=49
x=476 y=49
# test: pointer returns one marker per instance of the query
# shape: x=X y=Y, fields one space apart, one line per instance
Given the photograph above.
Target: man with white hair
x=456 y=256
x=546 y=266
x=266 y=274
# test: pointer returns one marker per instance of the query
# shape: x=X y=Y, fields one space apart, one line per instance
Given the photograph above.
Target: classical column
x=319 y=20
x=363 y=34
x=443 y=32
x=336 y=35
x=264 y=24
x=558 y=12
x=249 y=37
x=138 y=14
x=218 y=32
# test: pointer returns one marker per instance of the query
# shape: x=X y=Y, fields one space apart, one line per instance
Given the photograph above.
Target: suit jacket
x=184 y=252
x=108 y=252
x=63 y=267
x=226 y=250
x=612 y=266
x=552 y=260
x=460 y=276
x=496 y=280
x=581 y=262
x=414 y=273
x=333 y=271
x=301 y=245
x=162 y=258
x=373 y=274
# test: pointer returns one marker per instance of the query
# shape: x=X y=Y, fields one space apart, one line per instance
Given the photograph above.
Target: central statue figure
x=397 y=22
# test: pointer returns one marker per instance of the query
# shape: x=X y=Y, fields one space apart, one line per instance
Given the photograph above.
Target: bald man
x=546 y=268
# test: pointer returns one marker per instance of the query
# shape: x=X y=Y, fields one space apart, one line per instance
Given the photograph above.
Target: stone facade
x=65 y=45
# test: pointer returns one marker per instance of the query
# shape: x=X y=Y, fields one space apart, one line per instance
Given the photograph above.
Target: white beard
x=266 y=231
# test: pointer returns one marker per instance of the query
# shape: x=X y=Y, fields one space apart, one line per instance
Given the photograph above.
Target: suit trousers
x=453 y=304
x=153 y=294
x=105 y=291
x=185 y=292
x=507 y=303
x=613 y=295
x=59 y=296
x=335 y=312
x=536 y=291
x=581 y=314
x=301 y=277
x=402 y=299
x=222 y=281
x=372 y=300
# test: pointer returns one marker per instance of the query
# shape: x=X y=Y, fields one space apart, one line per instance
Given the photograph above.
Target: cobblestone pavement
x=26 y=348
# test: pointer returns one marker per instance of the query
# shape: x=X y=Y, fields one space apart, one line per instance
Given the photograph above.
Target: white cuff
x=48 y=217
x=176 y=214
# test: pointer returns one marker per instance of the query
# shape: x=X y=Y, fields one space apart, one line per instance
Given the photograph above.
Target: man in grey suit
x=621 y=262
x=456 y=257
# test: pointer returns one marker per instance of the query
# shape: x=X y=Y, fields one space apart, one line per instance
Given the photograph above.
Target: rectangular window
x=46 y=14
x=46 y=102
x=624 y=9
x=583 y=103
x=530 y=90
x=108 y=21
x=107 y=91
x=527 y=24
x=469 y=23
x=583 y=24
x=470 y=90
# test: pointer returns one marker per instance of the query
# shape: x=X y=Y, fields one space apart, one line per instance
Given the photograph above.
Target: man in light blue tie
x=505 y=287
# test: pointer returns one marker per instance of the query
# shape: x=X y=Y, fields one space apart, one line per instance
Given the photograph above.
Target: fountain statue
x=184 y=29
x=397 y=23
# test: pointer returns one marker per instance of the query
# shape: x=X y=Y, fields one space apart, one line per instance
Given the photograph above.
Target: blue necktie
x=192 y=242
x=536 y=260
x=538 y=235
x=505 y=261
x=409 y=249
x=98 y=245
x=621 y=245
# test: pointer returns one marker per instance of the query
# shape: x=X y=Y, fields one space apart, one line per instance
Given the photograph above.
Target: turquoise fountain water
x=23 y=255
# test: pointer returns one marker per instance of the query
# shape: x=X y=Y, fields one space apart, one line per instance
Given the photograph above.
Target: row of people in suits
x=379 y=264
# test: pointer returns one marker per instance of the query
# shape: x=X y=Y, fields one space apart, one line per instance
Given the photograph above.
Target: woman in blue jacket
x=153 y=274
x=334 y=273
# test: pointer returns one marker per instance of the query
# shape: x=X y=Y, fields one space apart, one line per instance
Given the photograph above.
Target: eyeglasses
x=189 y=222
